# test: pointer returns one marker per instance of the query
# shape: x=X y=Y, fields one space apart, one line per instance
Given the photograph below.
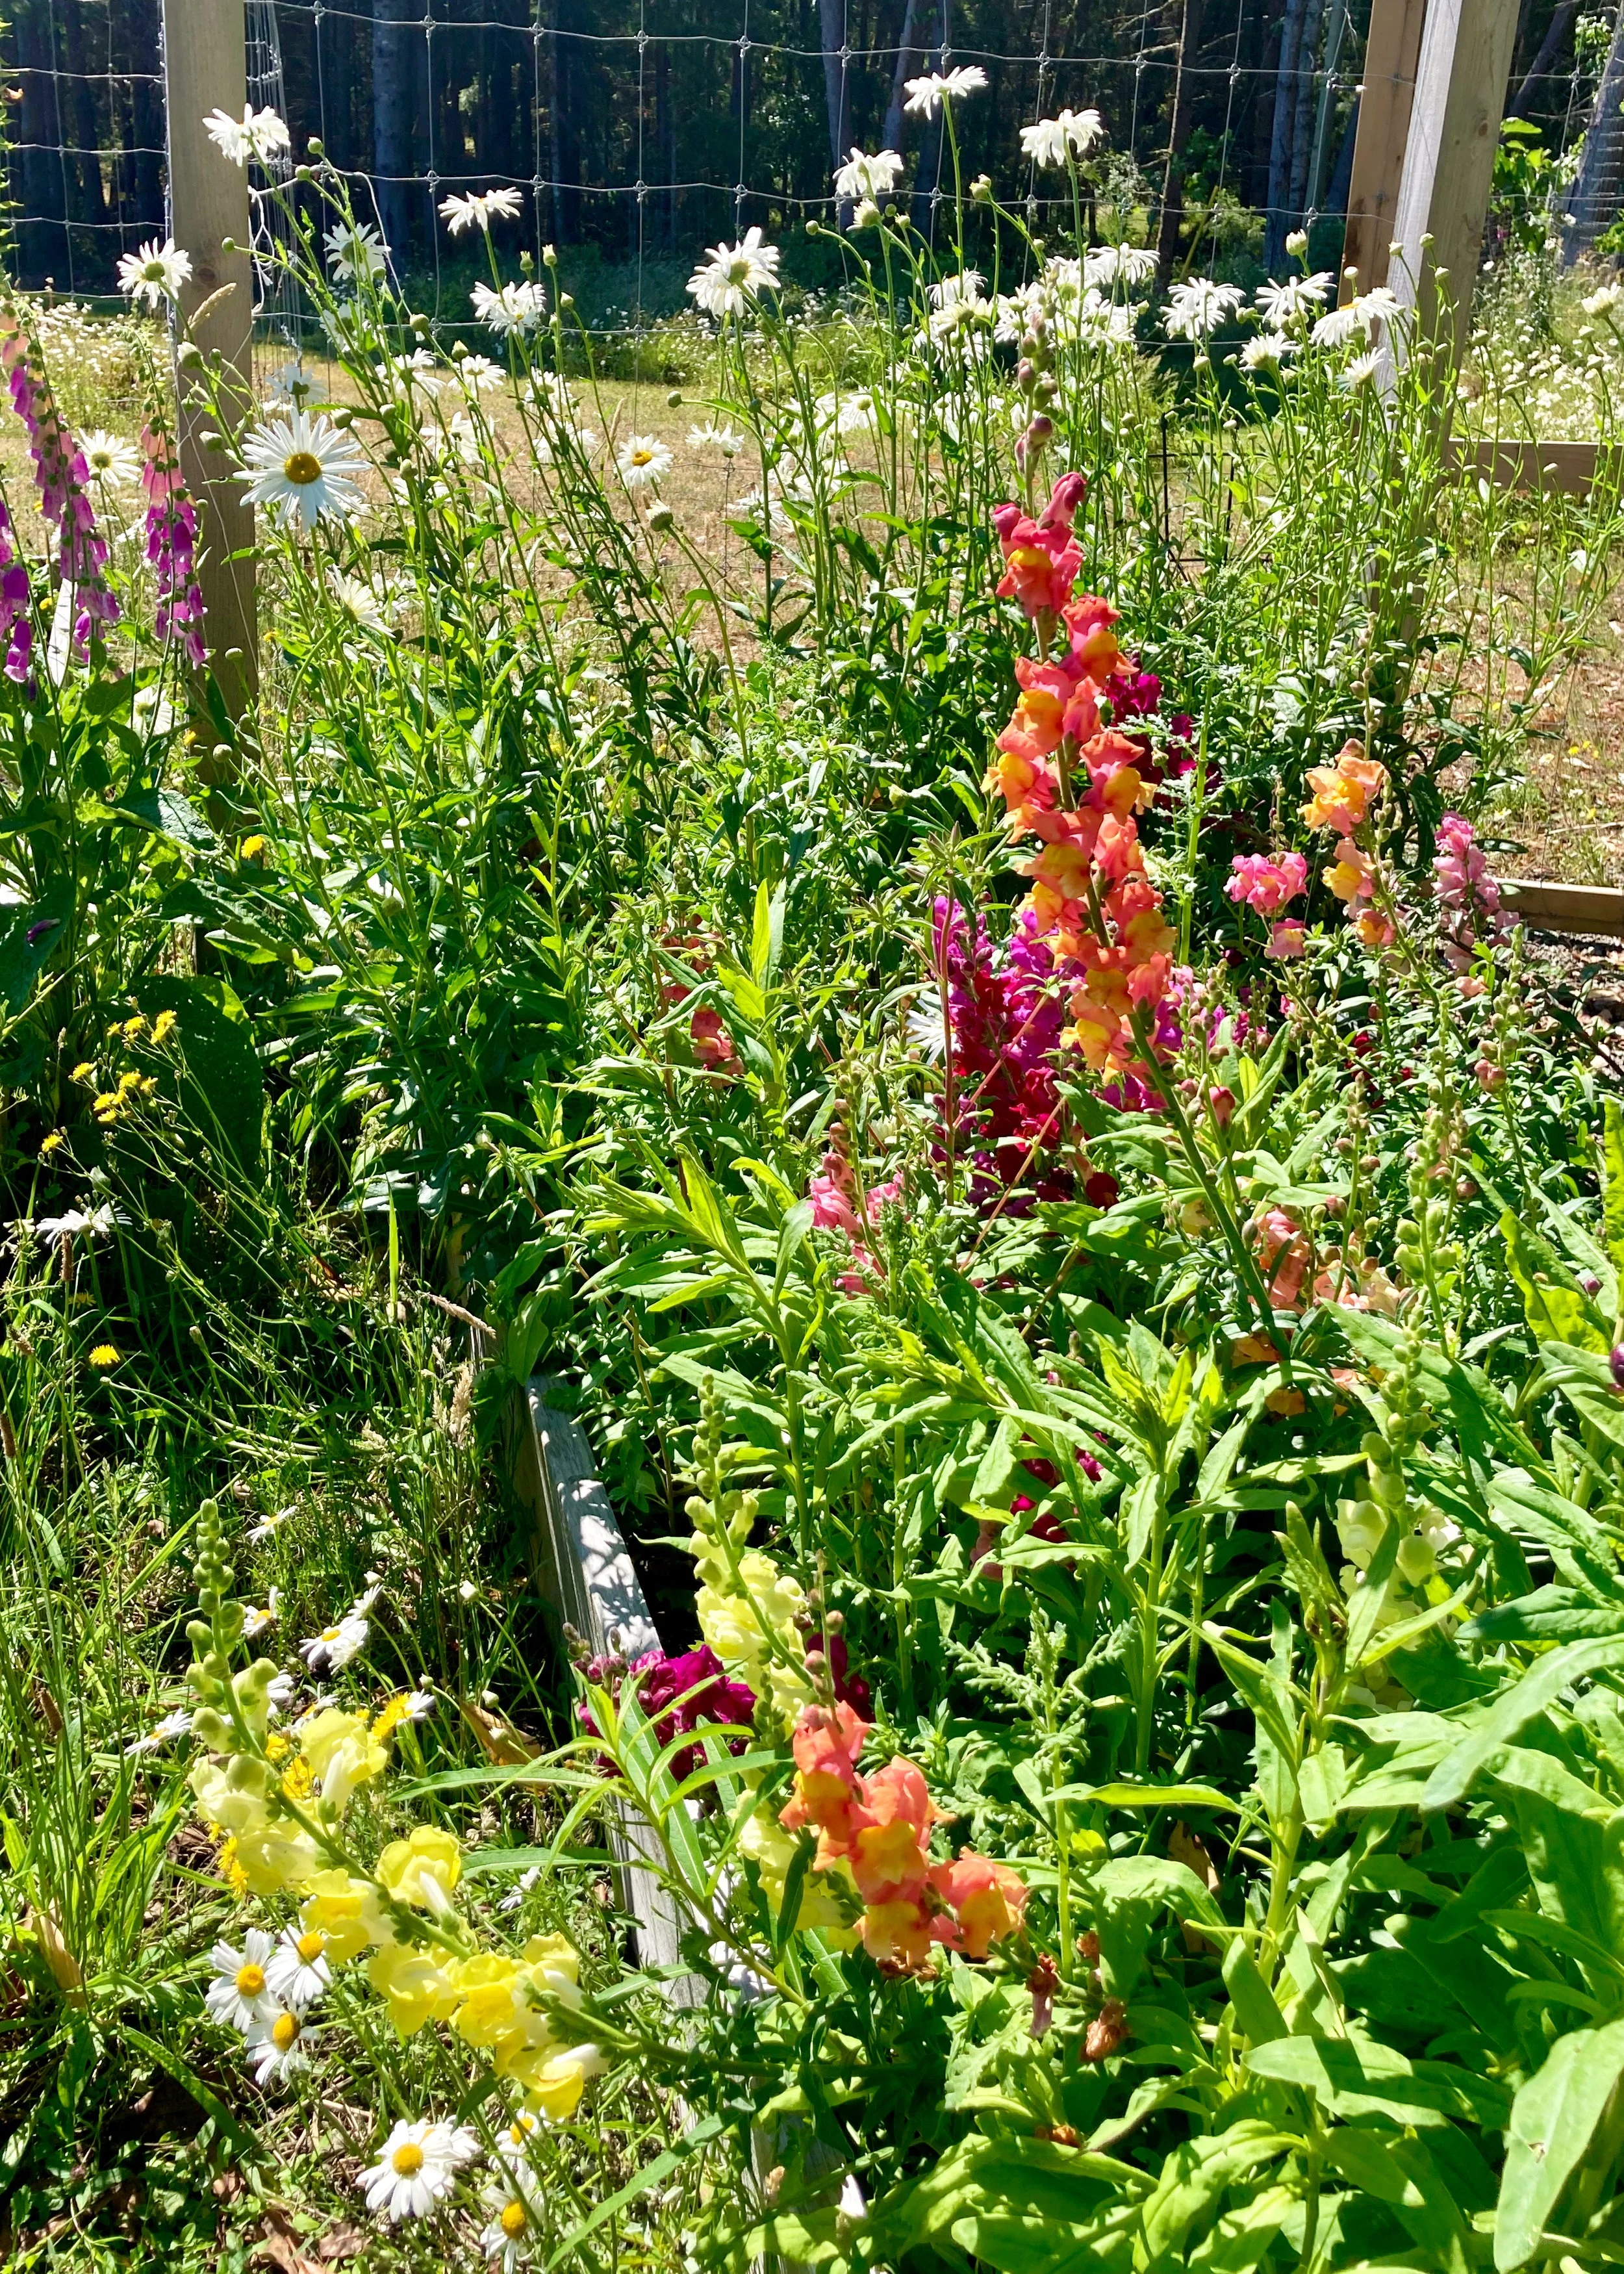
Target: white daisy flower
x=153 y=276
x=1195 y=309
x=459 y=213
x=268 y=1526
x=354 y=251
x=644 y=461
x=360 y=604
x=1279 y=304
x=299 y=468
x=926 y=96
x=94 y=1223
x=1267 y=351
x=415 y=2169
x=956 y=301
x=239 y=1995
x=514 y=308
x=1103 y=323
x=256 y=134
x=289 y=383
x=858 y=413
x=1380 y=305
x=1120 y=264
x=713 y=437
x=926 y=1032
x=279 y=1691
x=255 y=1621
x=115 y=463
x=162 y=1733
x=732 y=276
x=477 y=375
x=420 y=371
x=1604 y=300
x=1052 y=141
x=873 y=178
x=1338 y=326
x=298 y=1973
x=275 y=2047
x=334 y=1646
x=515 y=2209
x=419 y=1704
x=1361 y=371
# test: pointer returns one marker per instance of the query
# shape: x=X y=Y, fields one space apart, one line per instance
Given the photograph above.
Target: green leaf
x=694 y=2136
x=210 y=1063
x=1512 y=1711
x=1553 y=2120
x=32 y=931
x=1556 y=1309
x=1613 y=1179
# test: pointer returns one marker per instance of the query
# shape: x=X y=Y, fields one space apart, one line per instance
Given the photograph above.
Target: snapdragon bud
x=1616 y=1362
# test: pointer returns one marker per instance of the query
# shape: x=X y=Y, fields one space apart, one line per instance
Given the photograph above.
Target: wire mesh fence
x=638 y=130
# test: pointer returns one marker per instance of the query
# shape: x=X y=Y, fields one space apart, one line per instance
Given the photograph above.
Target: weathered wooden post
x=1392 y=51
x=1448 y=166
x=205 y=70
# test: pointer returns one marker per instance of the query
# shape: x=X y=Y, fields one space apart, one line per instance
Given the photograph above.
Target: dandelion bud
x=1296 y=243
x=981 y=189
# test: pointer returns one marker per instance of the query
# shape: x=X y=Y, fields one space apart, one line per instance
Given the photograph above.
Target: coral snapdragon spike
x=1343 y=793
x=826 y=1746
x=1041 y=557
x=987 y=1900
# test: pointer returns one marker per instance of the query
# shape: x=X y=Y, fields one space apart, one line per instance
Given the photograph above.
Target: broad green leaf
x=1513 y=1711
x=1555 y=1307
x=1553 y=2120
x=1613 y=1179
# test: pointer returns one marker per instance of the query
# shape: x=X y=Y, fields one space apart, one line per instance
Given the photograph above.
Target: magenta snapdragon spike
x=16 y=617
x=62 y=480
x=171 y=544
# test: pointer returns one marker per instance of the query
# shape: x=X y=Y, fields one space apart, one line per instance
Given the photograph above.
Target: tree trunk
x=1279 y=220
x=1594 y=197
x=1302 y=118
x=896 y=119
x=1549 y=46
x=393 y=61
x=1178 y=138
x=832 y=32
x=42 y=234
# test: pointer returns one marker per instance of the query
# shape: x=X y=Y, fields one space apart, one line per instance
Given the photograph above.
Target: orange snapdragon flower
x=1342 y=794
x=989 y=1900
x=826 y=1746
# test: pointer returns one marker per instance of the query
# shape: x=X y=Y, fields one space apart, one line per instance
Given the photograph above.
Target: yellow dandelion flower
x=83 y=1072
x=148 y=1084
x=163 y=1026
x=49 y=1145
x=115 y=1031
x=128 y=1081
x=231 y=1872
x=299 y=1779
x=251 y=847
x=104 y=1356
x=277 y=1746
x=133 y=1028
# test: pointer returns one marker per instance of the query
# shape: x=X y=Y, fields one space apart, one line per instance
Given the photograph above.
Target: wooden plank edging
x=1591 y=911
x=582 y=1568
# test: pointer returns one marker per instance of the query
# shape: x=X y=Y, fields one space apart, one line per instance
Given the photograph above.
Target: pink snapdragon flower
x=1267 y=882
x=62 y=478
x=1467 y=892
x=171 y=544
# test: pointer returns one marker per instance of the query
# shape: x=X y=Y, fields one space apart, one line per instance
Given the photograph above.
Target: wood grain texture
x=1387 y=90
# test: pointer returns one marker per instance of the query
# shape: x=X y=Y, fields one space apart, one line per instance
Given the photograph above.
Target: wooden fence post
x=206 y=69
x=1391 y=53
x=1461 y=83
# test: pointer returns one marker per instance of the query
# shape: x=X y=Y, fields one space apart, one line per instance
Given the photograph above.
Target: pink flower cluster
x=1269 y=884
x=172 y=544
x=678 y=1695
x=62 y=478
x=1468 y=893
x=833 y=1195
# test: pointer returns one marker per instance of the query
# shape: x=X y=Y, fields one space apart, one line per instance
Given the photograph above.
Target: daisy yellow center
x=408 y=2159
x=329 y=1634
x=310 y=1946
x=514 y=2219
x=642 y=458
x=302 y=467
x=249 y=1980
x=284 y=2028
